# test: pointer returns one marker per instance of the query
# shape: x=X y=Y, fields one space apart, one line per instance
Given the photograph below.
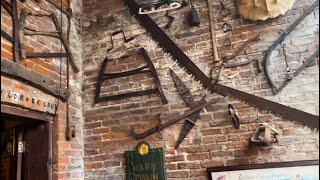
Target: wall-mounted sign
x=145 y=163
x=27 y=100
x=296 y=170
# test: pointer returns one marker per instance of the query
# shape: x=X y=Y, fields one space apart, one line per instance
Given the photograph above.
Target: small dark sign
x=145 y=163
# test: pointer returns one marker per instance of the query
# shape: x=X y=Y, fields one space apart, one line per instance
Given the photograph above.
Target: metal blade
x=188 y=125
x=190 y=121
x=183 y=90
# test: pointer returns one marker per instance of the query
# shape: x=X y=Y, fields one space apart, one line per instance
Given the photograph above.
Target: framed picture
x=7 y=142
x=294 y=170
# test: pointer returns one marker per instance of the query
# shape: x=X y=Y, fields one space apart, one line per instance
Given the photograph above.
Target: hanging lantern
x=263 y=9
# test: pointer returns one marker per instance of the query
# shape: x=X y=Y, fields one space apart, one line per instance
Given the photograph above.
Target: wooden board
x=38 y=80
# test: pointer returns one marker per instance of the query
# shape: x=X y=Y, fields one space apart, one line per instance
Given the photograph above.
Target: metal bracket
x=126 y=40
x=171 y=19
x=22 y=147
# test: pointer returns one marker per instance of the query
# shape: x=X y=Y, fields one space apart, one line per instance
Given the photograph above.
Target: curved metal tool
x=225 y=59
x=234 y=117
x=283 y=35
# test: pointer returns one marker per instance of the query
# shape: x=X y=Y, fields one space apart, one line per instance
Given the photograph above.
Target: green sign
x=145 y=163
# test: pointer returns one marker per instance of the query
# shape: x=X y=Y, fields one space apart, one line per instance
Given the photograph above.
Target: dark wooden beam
x=16 y=32
x=38 y=80
x=16 y=111
x=7 y=36
x=45 y=55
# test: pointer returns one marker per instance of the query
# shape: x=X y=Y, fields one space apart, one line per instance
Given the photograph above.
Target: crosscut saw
x=184 y=61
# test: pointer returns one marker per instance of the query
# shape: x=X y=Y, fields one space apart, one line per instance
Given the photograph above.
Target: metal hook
x=226 y=27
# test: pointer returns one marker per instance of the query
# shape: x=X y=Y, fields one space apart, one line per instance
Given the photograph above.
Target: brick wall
x=213 y=141
x=68 y=155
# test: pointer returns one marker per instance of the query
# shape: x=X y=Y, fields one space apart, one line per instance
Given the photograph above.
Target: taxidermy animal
x=263 y=9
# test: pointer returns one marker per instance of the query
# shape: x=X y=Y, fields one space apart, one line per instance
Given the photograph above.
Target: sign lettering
x=145 y=163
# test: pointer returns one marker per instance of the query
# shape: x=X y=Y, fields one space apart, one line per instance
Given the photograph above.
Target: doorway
x=24 y=148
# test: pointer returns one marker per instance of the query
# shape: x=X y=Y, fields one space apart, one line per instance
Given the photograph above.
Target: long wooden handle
x=213 y=34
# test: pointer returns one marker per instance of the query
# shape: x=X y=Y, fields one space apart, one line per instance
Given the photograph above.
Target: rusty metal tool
x=185 y=62
x=170 y=122
x=56 y=34
x=187 y=97
x=281 y=38
x=148 y=68
x=225 y=59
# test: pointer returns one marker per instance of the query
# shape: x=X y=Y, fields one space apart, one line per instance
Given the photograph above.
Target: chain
x=289 y=72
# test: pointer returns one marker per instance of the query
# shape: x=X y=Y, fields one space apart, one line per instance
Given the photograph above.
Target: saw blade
x=170 y=47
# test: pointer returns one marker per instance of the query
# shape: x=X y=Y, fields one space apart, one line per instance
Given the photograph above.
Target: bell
x=194 y=19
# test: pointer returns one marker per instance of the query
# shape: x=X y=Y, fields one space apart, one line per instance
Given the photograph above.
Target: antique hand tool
x=148 y=68
x=55 y=34
x=280 y=40
x=185 y=62
x=187 y=97
x=160 y=127
x=225 y=59
x=233 y=116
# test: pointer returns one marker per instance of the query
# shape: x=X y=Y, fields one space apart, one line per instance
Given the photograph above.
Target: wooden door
x=37 y=148
x=30 y=162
